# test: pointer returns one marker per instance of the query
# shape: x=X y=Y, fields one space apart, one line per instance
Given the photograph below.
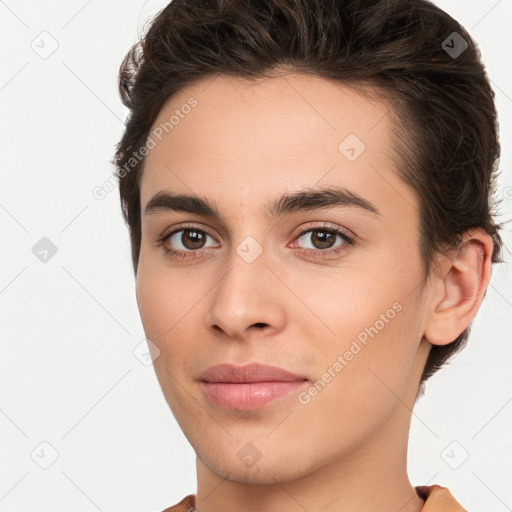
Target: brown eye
x=188 y=240
x=193 y=239
x=322 y=238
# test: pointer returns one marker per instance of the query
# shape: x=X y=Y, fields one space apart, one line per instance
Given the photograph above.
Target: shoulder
x=438 y=498
x=187 y=504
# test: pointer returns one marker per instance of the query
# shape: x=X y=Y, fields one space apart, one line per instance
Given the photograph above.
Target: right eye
x=184 y=241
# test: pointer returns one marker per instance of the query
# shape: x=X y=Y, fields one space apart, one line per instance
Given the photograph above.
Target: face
x=327 y=286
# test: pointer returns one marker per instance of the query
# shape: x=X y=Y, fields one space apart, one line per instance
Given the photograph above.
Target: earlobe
x=459 y=285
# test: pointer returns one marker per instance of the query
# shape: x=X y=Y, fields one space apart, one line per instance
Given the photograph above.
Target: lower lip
x=249 y=395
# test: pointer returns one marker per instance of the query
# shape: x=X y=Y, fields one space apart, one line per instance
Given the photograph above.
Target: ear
x=458 y=283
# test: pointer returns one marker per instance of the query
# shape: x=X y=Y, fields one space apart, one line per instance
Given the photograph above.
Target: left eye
x=323 y=238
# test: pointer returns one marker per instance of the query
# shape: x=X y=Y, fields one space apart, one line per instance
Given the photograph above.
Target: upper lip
x=251 y=372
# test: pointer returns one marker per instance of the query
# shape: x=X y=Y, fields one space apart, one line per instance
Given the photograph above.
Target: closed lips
x=251 y=372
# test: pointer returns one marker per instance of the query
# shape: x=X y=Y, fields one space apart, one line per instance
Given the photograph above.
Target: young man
x=307 y=185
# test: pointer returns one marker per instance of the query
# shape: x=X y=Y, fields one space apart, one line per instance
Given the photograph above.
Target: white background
x=69 y=376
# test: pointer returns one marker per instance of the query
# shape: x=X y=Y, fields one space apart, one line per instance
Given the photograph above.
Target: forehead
x=274 y=134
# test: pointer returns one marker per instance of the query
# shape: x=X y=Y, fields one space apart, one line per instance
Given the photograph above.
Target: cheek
x=164 y=299
x=365 y=338
x=359 y=384
x=172 y=311
x=162 y=311
x=341 y=303
x=155 y=303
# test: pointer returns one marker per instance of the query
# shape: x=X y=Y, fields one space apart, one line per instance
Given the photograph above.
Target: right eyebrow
x=163 y=201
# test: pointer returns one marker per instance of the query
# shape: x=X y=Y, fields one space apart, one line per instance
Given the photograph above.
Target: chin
x=266 y=471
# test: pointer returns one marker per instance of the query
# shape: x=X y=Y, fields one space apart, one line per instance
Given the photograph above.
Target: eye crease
x=193 y=241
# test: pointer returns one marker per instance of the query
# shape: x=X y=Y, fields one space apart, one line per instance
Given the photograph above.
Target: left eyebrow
x=290 y=202
x=318 y=199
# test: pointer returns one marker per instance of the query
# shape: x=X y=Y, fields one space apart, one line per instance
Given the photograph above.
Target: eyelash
x=308 y=252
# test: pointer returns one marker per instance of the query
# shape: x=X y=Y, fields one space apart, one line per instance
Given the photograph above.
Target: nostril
x=260 y=324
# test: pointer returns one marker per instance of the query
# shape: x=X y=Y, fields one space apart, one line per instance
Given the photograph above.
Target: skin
x=242 y=145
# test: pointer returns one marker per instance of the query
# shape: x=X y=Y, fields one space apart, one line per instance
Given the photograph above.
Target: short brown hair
x=444 y=118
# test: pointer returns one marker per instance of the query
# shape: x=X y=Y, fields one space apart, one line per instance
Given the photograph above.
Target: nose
x=248 y=298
